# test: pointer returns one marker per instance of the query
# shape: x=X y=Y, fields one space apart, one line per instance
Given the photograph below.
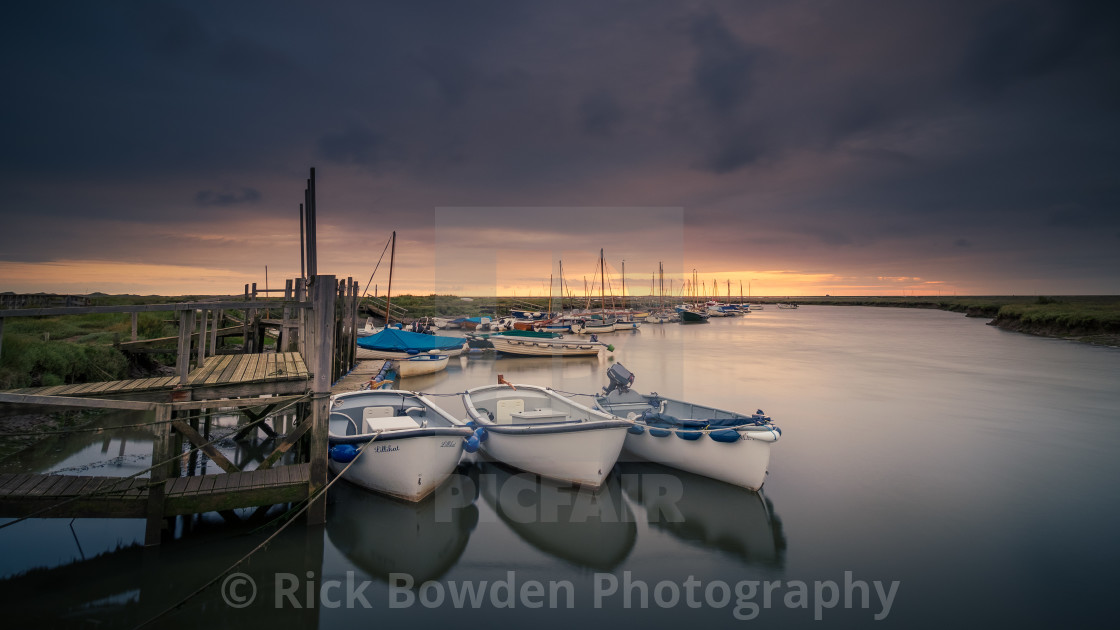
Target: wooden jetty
x=315 y=329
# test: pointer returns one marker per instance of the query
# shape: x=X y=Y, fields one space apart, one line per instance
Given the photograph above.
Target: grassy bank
x=1090 y=318
x=63 y=349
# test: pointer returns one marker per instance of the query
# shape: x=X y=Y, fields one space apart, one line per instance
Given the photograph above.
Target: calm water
x=975 y=468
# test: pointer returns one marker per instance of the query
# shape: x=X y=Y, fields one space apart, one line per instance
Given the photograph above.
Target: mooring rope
x=113 y=488
x=262 y=545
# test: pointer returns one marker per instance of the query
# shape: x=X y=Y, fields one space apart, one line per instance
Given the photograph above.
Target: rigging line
x=365 y=291
x=263 y=544
x=113 y=487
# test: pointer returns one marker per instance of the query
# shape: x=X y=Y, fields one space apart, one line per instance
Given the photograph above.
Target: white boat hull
x=526 y=346
x=742 y=463
x=407 y=468
x=420 y=365
x=366 y=353
x=583 y=457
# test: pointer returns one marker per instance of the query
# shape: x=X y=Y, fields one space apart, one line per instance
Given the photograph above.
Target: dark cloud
x=1016 y=41
x=835 y=134
x=600 y=114
x=722 y=72
x=227 y=198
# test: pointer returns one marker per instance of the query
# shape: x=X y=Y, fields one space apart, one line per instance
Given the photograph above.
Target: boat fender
x=343 y=453
x=656 y=432
x=594 y=337
x=725 y=435
x=481 y=434
x=610 y=348
x=689 y=435
x=636 y=429
x=471 y=444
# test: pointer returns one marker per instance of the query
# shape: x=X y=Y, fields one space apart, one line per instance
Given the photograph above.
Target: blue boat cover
x=393 y=340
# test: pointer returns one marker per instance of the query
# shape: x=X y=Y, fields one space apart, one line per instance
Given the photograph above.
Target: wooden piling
x=322 y=338
x=183 y=358
x=161 y=450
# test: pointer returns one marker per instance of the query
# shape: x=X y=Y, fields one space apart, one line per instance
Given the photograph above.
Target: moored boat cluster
x=402 y=444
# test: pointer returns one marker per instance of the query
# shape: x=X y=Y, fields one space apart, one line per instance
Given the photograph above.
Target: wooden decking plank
x=43 y=487
x=242 y=363
x=219 y=367
x=200 y=373
x=230 y=368
x=302 y=365
x=12 y=482
x=108 y=386
x=274 y=370
x=74 y=488
x=176 y=485
x=207 y=484
x=257 y=374
x=60 y=484
x=28 y=485
x=193 y=484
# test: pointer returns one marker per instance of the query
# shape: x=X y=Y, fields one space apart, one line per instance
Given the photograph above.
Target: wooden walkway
x=286 y=370
x=24 y=494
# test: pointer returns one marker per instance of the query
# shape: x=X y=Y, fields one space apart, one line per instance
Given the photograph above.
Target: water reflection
x=710 y=513
x=590 y=529
x=381 y=535
x=129 y=585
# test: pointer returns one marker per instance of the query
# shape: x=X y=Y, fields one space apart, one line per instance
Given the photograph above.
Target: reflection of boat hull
x=383 y=536
x=590 y=529
x=420 y=364
x=707 y=512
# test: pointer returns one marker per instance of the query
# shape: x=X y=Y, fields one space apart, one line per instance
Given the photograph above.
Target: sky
x=791 y=147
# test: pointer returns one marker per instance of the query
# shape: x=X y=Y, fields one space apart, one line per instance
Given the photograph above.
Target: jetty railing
x=317 y=324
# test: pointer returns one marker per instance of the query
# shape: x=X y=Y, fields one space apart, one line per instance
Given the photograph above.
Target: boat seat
x=390 y=423
x=341 y=424
x=505 y=409
x=378 y=412
x=538 y=416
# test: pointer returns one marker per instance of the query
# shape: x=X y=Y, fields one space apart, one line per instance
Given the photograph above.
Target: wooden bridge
x=255 y=385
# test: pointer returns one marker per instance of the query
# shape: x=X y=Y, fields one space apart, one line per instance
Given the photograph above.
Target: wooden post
x=322 y=338
x=217 y=323
x=161 y=450
x=285 y=329
x=135 y=317
x=183 y=358
x=252 y=315
x=353 y=345
x=202 y=337
x=245 y=325
x=301 y=331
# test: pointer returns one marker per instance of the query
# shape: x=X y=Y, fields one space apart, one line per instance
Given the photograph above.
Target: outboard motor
x=620 y=378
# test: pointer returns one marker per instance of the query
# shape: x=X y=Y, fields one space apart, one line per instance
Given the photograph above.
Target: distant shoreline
x=1093 y=319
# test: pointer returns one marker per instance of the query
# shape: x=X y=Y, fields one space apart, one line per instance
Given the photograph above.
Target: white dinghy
x=723 y=445
x=408 y=446
x=538 y=430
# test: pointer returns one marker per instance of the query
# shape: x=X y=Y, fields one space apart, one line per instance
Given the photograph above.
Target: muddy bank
x=1094 y=333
